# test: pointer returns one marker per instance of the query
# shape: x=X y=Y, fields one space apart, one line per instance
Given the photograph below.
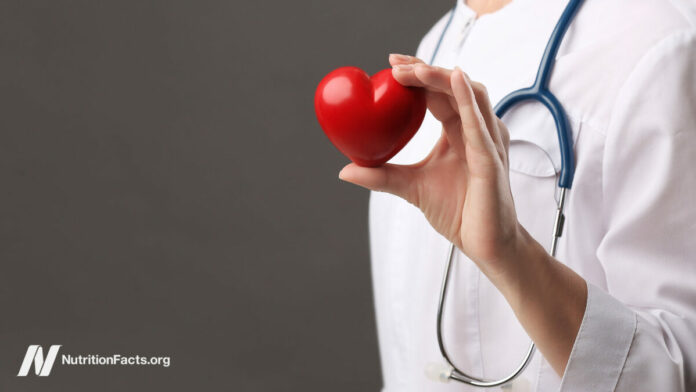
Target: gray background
x=165 y=190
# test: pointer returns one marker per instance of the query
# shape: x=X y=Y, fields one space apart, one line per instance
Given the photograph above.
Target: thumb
x=398 y=180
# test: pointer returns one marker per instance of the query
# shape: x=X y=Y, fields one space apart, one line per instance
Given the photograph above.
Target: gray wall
x=165 y=190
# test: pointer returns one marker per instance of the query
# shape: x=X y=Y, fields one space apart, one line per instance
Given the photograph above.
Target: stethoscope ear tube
x=539 y=92
x=563 y=129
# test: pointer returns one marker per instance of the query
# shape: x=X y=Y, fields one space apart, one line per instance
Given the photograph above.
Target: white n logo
x=42 y=367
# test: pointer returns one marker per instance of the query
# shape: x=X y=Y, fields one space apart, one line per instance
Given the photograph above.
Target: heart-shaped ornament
x=369 y=119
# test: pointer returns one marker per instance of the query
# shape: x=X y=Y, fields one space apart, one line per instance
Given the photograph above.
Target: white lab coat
x=626 y=75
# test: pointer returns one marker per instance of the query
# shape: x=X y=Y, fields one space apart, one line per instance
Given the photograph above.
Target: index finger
x=396 y=58
x=423 y=75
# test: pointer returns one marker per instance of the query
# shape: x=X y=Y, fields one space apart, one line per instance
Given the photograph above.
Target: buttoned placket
x=463 y=31
x=466 y=275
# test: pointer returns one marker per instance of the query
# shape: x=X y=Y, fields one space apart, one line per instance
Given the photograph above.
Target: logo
x=42 y=366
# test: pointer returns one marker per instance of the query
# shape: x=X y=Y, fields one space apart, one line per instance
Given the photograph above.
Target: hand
x=462 y=186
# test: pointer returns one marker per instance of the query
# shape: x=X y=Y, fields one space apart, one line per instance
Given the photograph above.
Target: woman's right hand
x=462 y=186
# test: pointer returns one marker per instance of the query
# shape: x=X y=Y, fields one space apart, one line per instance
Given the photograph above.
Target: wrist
x=526 y=267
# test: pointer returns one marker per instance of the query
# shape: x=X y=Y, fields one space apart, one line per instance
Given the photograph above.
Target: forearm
x=547 y=297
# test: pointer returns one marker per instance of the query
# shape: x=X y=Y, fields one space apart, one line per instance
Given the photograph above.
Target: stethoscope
x=539 y=92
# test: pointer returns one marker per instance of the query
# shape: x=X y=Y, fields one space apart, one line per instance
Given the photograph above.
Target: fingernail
x=400 y=57
x=403 y=67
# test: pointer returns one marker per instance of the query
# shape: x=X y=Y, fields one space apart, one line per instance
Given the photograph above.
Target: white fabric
x=626 y=75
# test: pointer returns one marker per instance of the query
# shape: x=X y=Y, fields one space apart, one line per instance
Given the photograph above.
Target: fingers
x=398 y=180
x=498 y=133
x=484 y=104
x=473 y=124
x=505 y=136
x=422 y=75
x=396 y=58
x=438 y=82
x=441 y=106
x=413 y=72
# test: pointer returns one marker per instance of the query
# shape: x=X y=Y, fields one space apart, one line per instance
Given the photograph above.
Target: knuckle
x=422 y=71
x=505 y=133
x=480 y=87
x=452 y=121
x=480 y=119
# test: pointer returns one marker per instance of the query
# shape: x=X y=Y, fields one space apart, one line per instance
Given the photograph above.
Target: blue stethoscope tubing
x=539 y=92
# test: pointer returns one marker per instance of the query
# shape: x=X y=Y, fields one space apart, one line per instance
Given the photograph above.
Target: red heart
x=369 y=119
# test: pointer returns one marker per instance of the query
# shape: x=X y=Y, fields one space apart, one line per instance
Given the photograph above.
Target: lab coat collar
x=464 y=11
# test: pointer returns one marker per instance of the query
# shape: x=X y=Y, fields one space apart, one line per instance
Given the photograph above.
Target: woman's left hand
x=462 y=186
